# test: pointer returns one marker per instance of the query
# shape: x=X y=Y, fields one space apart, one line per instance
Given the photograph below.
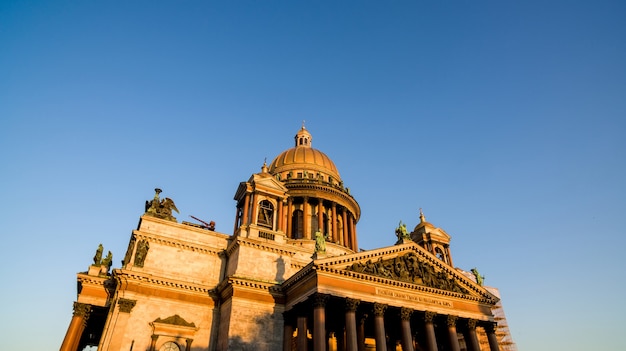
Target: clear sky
x=504 y=120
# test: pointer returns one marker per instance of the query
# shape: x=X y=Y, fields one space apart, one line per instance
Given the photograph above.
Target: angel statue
x=161 y=208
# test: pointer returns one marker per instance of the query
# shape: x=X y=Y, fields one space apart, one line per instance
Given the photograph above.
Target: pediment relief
x=410 y=268
x=410 y=264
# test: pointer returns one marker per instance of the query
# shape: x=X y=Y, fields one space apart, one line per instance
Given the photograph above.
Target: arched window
x=439 y=254
x=266 y=214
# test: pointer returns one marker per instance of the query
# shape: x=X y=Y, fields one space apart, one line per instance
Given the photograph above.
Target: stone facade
x=289 y=277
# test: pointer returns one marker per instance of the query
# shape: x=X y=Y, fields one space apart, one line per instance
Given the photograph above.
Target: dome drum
x=332 y=194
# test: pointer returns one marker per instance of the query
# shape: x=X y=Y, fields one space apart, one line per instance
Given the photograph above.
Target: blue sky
x=503 y=120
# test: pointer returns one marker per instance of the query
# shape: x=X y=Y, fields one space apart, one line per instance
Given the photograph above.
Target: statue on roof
x=479 y=278
x=97 y=259
x=320 y=246
x=108 y=260
x=320 y=242
x=402 y=233
x=161 y=208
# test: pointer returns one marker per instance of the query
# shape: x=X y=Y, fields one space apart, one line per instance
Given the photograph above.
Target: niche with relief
x=172 y=334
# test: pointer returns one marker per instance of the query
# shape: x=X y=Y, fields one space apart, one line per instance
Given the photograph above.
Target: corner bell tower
x=433 y=239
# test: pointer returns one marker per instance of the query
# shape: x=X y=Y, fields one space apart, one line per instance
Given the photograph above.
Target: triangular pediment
x=261 y=183
x=410 y=265
x=266 y=182
x=174 y=320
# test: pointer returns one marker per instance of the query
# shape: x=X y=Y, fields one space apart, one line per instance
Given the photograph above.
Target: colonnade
x=337 y=221
x=346 y=329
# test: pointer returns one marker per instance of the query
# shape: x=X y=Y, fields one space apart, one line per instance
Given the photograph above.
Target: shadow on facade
x=280 y=269
x=264 y=333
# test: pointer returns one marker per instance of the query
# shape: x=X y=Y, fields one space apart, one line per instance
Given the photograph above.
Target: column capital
x=429 y=316
x=379 y=309
x=82 y=310
x=471 y=324
x=319 y=300
x=352 y=304
x=126 y=305
x=405 y=313
x=451 y=320
x=490 y=327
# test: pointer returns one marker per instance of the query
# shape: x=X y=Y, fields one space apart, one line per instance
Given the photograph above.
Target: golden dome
x=304 y=161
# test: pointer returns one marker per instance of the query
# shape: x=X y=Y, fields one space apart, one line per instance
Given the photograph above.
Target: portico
x=345 y=307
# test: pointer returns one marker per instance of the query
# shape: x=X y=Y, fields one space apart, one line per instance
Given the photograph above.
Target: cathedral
x=289 y=277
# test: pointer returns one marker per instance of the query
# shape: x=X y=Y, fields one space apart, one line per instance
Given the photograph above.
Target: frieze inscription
x=412 y=297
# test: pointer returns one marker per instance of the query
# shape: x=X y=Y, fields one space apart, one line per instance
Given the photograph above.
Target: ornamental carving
x=175 y=320
x=429 y=317
x=129 y=251
x=451 y=321
x=319 y=300
x=490 y=327
x=405 y=313
x=352 y=304
x=161 y=208
x=126 y=305
x=471 y=324
x=379 y=309
x=409 y=268
x=142 y=251
x=82 y=310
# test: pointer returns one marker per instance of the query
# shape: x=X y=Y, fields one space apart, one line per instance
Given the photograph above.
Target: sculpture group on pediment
x=105 y=262
x=161 y=208
x=409 y=268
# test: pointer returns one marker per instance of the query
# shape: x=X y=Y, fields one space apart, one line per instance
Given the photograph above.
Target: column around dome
x=320 y=216
x=334 y=222
x=344 y=235
x=289 y=229
x=351 y=233
x=306 y=232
